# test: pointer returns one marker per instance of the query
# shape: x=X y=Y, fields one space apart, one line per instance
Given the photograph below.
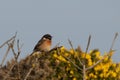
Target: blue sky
x=63 y=19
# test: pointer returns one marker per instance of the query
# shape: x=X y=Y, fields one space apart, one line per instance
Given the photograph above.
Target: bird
x=44 y=44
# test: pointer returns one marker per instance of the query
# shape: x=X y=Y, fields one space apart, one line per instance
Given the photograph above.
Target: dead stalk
x=5 y=56
x=9 y=40
x=28 y=73
x=113 y=42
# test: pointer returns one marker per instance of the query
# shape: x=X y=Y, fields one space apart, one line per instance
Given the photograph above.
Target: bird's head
x=47 y=36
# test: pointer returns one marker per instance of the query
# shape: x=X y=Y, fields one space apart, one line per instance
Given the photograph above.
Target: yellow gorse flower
x=71 y=72
x=90 y=62
x=104 y=70
x=72 y=51
x=55 y=55
x=97 y=54
x=88 y=56
x=117 y=69
x=74 y=78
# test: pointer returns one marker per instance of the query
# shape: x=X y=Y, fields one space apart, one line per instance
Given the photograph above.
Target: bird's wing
x=36 y=48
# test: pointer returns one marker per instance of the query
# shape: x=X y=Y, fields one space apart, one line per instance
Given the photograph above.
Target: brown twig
x=8 y=40
x=11 y=43
x=9 y=46
x=84 y=62
x=13 y=51
x=19 y=49
x=84 y=72
x=28 y=73
x=9 y=71
x=88 y=44
x=113 y=42
x=94 y=64
x=8 y=49
x=16 y=55
x=72 y=62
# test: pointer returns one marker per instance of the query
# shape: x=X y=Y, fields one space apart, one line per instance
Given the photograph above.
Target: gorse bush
x=69 y=59
x=63 y=64
x=60 y=64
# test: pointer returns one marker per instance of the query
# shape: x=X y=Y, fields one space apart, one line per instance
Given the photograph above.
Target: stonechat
x=43 y=44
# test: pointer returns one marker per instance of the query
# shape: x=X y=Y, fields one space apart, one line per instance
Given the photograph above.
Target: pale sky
x=63 y=19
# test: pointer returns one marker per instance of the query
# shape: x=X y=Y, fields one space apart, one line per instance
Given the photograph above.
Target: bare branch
x=10 y=44
x=28 y=73
x=14 y=53
x=5 y=55
x=113 y=42
x=88 y=44
x=94 y=64
x=19 y=49
x=70 y=44
x=72 y=63
x=8 y=40
x=84 y=72
x=85 y=69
